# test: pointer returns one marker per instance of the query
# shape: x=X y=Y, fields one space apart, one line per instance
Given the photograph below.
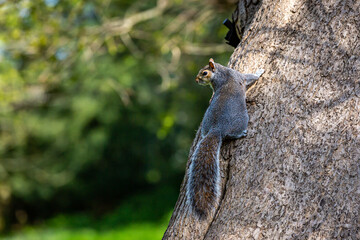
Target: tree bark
x=297 y=173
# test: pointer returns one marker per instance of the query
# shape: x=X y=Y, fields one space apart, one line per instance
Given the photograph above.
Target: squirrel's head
x=205 y=75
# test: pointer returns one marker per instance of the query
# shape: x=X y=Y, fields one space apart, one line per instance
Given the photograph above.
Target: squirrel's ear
x=212 y=64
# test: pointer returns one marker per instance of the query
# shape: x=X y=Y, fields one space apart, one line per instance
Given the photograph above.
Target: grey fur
x=225 y=118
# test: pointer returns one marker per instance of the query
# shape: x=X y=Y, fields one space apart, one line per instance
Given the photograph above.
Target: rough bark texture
x=297 y=173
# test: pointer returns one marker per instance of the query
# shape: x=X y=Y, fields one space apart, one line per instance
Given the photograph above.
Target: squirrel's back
x=227 y=111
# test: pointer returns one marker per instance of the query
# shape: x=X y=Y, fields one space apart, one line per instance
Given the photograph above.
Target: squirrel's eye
x=204 y=73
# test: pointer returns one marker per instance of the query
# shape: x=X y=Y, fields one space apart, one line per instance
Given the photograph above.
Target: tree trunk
x=297 y=173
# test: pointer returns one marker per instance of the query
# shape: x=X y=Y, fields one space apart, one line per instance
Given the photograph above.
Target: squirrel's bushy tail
x=203 y=186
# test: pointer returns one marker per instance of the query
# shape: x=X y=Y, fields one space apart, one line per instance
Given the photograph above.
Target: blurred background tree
x=99 y=105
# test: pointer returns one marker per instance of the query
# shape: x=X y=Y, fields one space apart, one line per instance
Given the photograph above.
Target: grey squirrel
x=225 y=118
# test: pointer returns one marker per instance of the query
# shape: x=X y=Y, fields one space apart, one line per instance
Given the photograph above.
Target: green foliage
x=98 y=103
x=126 y=222
x=144 y=231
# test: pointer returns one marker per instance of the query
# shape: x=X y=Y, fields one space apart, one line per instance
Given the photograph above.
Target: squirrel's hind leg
x=241 y=135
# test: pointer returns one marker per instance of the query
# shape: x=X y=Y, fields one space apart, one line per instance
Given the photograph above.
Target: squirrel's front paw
x=260 y=72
